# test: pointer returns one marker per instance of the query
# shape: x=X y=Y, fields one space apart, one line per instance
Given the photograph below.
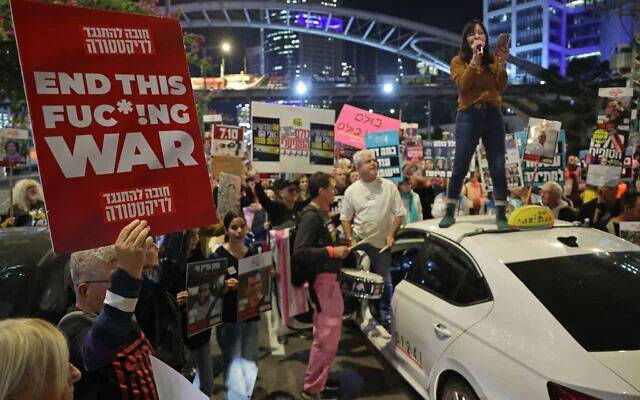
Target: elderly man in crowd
x=373 y=210
x=105 y=342
x=551 y=196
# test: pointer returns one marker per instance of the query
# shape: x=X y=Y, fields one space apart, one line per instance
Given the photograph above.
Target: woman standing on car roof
x=480 y=77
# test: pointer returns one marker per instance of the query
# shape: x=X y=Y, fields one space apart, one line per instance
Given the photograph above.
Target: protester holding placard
x=629 y=212
x=480 y=77
x=238 y=340
x=105 y=341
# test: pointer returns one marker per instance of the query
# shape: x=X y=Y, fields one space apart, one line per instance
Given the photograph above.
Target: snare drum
x=361 y=284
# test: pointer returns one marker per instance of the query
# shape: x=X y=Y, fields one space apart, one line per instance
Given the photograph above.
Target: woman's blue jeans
x=471 y=126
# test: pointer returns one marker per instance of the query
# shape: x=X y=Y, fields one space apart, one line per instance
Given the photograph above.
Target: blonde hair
x=20 y=193
x=34 y=360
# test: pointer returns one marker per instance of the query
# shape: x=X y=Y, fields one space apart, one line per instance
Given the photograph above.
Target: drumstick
x=363 y=241
x=383 y=249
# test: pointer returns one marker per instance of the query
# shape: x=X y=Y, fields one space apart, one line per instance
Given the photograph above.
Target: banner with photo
x=438 y=158
x=545 y=172
x=605 y=158
x=282 y=137
x=205 y=285
x=254 y=294
x=322 y=144
x=410 y=142
x=386 y=150
x=542 y=140
x=513 y=168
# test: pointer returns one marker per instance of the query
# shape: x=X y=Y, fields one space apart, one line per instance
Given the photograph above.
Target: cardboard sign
x=386 y=149
x=114 y=122
x=12 y=133
x=354 y=123
x=227 y=164
x=254 y=294
x=282 y=137
x=226 y=140
x=205 y=285
x=228 y=194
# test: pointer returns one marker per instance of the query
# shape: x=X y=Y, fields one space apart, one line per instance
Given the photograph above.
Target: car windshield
x=596 y=297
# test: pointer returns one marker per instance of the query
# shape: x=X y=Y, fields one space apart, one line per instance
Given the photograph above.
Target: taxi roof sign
x=531 y=217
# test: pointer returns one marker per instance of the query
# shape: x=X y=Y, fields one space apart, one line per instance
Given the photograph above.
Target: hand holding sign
x=132 y=245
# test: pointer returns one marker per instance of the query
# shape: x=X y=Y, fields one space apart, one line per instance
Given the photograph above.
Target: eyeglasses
x=98 y=281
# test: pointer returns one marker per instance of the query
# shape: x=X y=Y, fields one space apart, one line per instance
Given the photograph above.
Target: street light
x=226 y=49
x=392 y=111
x=301 y=88
x=387 y=88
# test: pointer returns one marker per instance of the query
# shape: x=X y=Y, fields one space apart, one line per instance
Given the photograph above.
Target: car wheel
x=457 y=389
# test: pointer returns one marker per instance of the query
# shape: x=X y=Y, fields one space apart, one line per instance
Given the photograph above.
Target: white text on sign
x=137 y=203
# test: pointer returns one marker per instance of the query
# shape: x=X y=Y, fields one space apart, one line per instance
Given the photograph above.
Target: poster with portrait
x=542 y=140
x=228 y=194
x=205 y=286
x=605 y=158
x=254 y=293
x=615 y=108
x=14 y=146
x=513 y=169
x=543 y=173
x=226 y=140
x=630 y=231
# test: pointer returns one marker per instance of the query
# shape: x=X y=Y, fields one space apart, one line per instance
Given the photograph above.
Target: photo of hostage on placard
x=254 y=295
x=542 y=140
x=205 y=285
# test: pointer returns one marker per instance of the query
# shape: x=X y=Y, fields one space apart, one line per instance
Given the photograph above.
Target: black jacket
x=279 y=214
x=311 y=242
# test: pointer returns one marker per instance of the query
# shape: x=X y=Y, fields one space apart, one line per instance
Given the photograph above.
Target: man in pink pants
x=321 y=262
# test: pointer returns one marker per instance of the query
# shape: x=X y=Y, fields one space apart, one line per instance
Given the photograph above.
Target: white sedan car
x=533 y=314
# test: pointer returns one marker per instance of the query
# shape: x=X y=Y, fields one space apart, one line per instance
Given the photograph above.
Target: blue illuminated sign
x=318 y=22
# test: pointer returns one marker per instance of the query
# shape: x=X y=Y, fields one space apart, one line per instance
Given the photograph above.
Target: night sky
x=450 y=15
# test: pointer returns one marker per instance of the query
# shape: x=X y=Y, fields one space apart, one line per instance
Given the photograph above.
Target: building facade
x=550 y=33
x=295 y=55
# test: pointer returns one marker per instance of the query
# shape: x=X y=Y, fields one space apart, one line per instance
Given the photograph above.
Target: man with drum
x=313 y=251
x=376 y=209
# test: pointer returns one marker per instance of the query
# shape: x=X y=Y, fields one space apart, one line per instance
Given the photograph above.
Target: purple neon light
x=319 y=22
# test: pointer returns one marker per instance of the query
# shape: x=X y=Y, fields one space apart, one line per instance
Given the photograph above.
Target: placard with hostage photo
x=615 y=107
x=205 y=285
x=542 y=140
x=254 y=295
x=13 y=151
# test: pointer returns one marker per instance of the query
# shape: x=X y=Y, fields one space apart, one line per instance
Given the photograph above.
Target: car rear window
x=596 y=297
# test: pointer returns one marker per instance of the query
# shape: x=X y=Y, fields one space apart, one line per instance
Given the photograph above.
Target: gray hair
x=358 y=157
x=88 y=265
x=555 y=188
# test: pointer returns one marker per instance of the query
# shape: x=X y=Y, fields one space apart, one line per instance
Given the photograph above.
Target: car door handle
x=442 y=330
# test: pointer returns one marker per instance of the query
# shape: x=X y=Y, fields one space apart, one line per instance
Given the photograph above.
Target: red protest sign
x=114 y=122
x=353 y=123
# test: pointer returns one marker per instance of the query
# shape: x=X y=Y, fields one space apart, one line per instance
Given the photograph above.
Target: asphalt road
x=362 y=372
